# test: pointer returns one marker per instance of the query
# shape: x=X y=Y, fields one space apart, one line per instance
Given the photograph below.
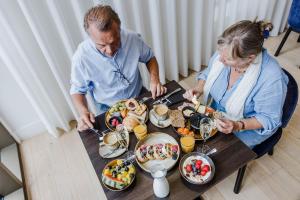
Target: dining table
x=231 y=154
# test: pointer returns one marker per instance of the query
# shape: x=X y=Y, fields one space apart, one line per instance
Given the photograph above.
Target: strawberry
x=188 y=168
x=198 y=166
x=203 y=173
x=205 y=168
x=199 y=162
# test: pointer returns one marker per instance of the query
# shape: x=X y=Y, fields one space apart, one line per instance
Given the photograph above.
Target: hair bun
x=265 y=27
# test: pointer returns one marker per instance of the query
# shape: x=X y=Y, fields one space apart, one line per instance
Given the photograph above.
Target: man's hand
x=189 y=94
x=85 y=121
x=157 y=89
x=227 y=126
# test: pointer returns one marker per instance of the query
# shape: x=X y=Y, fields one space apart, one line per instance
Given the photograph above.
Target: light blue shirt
x=110 y=79
x=264 y=102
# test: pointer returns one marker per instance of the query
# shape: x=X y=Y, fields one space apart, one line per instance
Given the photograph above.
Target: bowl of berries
x=197 y=168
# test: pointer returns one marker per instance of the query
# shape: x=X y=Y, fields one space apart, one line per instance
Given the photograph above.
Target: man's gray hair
x=101 y=15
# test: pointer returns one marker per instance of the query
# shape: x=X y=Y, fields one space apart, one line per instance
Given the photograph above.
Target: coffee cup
x=111 y=140
x=161 y=111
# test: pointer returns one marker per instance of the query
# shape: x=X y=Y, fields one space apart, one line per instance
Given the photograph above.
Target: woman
x=245 y=83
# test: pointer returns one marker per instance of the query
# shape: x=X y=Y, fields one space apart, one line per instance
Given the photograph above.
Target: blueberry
x=174 y=156
x=126 y=169
x=194 y=168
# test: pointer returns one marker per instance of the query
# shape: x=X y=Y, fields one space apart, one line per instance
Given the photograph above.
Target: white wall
x=15 y=109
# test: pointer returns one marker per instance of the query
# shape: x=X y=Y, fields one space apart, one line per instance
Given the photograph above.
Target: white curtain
x=38 y=39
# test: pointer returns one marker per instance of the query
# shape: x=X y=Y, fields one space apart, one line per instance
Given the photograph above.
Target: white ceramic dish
x=158 y=138
x=106 y=152
x=158 y=123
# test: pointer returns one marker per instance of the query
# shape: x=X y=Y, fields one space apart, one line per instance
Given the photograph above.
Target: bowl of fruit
x=197 y=168
x=118 y=175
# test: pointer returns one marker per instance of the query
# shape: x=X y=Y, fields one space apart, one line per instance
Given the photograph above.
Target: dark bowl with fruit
x=115 y=121
x=188 y=111
x=197 y=168
x=195 y=120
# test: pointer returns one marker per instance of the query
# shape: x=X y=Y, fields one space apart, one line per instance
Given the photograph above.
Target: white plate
x=103 y=149
x=156 y=138
x=159 y=124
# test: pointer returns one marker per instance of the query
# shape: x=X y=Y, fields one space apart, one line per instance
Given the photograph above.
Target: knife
x=166 y=96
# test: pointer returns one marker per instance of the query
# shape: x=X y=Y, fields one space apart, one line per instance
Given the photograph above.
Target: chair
x=294 y=23
x=268 y=145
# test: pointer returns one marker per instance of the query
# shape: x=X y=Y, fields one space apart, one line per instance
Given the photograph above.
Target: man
x=106 y=64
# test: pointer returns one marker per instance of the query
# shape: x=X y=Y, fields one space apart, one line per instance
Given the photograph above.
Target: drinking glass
x=206 y=125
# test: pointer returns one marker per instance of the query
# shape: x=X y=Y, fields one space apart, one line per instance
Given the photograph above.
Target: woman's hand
x=189 y=94
x=227 y=126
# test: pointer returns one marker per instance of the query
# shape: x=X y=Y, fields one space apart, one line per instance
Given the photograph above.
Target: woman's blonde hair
x=244 y=38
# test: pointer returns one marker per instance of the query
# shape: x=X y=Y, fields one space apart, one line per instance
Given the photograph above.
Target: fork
x=145 y=99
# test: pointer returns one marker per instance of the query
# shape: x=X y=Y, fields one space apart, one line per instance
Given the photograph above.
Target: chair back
x=294 y=16
x=291 y=100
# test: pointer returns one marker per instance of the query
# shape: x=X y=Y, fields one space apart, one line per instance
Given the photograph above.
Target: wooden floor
x=59 y=169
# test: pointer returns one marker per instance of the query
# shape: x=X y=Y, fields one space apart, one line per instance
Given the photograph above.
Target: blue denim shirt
x=109 y=79
x=264 y=102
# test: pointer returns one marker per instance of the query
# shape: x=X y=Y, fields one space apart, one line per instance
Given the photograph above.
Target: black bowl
x=195 y=120
x=188 y=108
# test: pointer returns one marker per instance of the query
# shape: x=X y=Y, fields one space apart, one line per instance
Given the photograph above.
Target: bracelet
x=243 y=125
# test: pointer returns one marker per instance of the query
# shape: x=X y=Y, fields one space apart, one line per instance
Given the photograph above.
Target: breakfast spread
x=128 y=112
x=118 y=174
x=157 y=148
x=156 y=152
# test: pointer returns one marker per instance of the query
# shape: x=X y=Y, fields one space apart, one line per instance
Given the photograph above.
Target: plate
x=208 y=113
x=105 y=152
x=157 y=138
x=156 y=122
x=111 y=183
x=108 y=116
x=197 y=179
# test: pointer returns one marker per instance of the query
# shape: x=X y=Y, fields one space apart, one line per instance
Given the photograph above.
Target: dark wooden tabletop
x=231 y=155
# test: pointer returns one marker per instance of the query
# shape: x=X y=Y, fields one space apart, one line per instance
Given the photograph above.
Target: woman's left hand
x=227 y=126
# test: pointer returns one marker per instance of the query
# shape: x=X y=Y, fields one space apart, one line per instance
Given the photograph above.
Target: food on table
x=185 y=131
x=131 y=104
x=130 y=122
x=111 y=140
x=118 y=174
x=159 y=151
x=188 y=112
x=197 y=169
x=195 y=100
x=117 y=108
x=201 y=109
x=140 y=131
x=124 y=109
x=140 y=109
x=177 y=119
x=161 y=111
x=115 y=121
x=187 y=143
x=185 y=104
